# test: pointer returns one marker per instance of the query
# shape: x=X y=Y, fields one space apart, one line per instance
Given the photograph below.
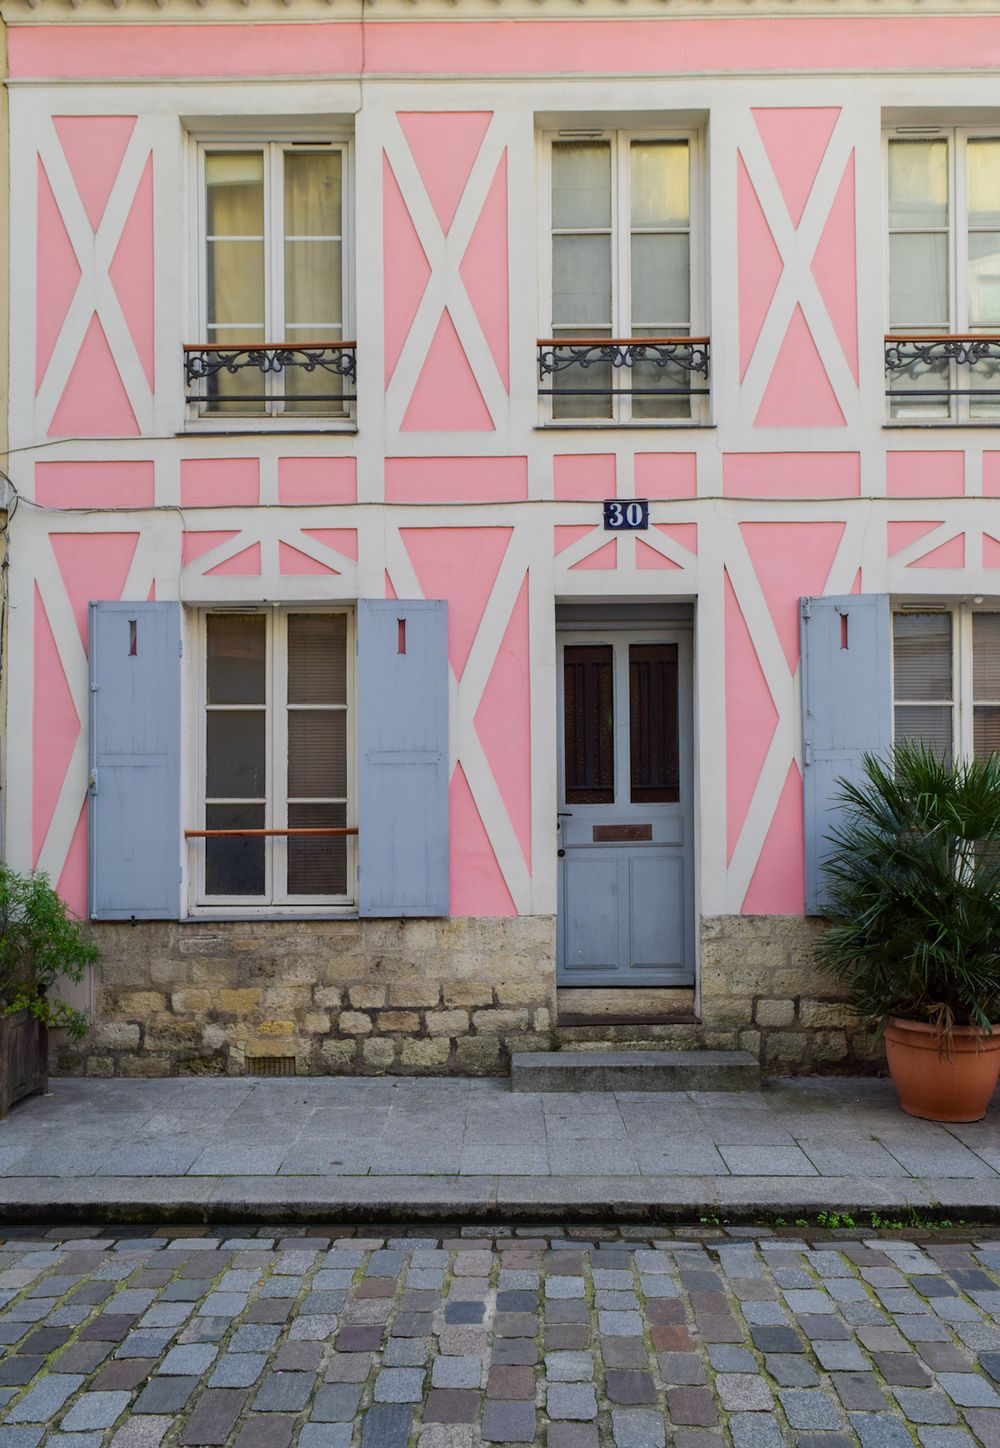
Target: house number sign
x=624 y=517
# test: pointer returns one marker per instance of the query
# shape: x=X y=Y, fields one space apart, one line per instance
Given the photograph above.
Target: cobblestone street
x=197 y=1336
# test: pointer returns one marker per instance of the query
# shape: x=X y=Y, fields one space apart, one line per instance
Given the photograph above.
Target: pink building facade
x=605 y=799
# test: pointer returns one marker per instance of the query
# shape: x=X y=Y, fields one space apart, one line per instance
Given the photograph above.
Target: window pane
x=588 y=699
x=582 y=391
x=658 y=173
x=918 y=183
x=984 y=279
x=652 y=375
x=312 y=193
x=235 y=754
x=985 y=732
x=922 y=656
x=317 y=753
x=653 y=729
x=986 y=656
x=234 y=866
x=317 y=864
x=661 y=280
x=918 y=280
x=313 y=287
x=982 y=159
x=237 y=658
x=317 y=658
x=581 y=183
x=581 y=280
x=234 y=193
x=924 y=724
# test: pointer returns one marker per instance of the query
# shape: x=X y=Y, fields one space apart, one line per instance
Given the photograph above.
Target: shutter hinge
x=807 y=752
x=807 y=608
x=92 y=782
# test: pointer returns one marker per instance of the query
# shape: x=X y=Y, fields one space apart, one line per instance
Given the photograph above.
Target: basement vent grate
x=270 y=1066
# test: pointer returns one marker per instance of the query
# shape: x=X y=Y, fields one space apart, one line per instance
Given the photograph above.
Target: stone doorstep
x=582 y=1006
x=634 y=1070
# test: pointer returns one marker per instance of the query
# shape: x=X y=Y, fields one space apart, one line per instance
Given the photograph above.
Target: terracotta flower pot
x=955 y=1086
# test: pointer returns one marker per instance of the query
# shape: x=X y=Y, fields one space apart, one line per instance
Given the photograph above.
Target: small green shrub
x=914 y=890
x=41 y=943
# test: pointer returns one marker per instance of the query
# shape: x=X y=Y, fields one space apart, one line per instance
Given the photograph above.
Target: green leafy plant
x=834 y=1220
x=914 y=891
x=41 y=943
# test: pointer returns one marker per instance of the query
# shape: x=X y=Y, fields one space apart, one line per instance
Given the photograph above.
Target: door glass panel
x=581 y=184
x=654 y=747
x=589 y=739
x=922 y=656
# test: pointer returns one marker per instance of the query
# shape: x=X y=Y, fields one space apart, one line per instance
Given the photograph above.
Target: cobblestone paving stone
x=363 y=1338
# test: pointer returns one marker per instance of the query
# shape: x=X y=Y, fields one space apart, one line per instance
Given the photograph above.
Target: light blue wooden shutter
x=403 y=757
x=846 y=710
x=135 y=749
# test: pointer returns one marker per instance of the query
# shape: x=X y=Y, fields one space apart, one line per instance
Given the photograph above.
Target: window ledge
x=942 y=424
x=349 y=912
x=265 y=428
x=625 y=427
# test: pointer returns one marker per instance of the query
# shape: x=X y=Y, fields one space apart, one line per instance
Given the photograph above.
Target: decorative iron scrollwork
x=204 y=364
x=914 y=356
x=685 y=354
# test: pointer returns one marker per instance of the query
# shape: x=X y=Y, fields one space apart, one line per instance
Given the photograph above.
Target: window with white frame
x=273 y=284
x=946 y=679
x=275 y=747
x=623 y=291
x=943 y=351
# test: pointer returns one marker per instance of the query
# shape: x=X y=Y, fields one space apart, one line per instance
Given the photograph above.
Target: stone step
x=597 y=1070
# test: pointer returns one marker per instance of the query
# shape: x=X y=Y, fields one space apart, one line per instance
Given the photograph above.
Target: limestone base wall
x=337 y=996
x=759 y=980
x=435 y=997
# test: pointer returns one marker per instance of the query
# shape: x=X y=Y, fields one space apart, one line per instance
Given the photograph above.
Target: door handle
x=563 y=814
x=560 y=853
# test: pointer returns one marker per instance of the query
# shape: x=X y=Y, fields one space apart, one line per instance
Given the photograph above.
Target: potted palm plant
x=41 y=943
x=913 y=885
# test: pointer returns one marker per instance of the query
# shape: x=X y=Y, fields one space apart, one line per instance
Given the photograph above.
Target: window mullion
x=621 y=252
x=963 y=683
x=957 y=251
x=274 y=233
x=279 y=753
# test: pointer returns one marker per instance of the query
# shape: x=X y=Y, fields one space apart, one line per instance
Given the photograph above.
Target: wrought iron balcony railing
x=307 y=379
x=631 y=377
x=934 y=373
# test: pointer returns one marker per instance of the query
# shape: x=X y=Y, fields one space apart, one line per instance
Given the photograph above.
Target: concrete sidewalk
x=398 y=1148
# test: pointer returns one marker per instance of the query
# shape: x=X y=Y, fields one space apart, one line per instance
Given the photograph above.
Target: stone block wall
x=760 y=983
x=336 y=996
x=435 y=997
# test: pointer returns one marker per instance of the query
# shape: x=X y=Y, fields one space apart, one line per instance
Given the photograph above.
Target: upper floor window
x=946 y=680
x=943 y=348
x=273 y=285
x=619 y=308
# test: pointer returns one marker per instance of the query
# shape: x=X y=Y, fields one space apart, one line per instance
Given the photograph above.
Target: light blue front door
x=625 y=809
